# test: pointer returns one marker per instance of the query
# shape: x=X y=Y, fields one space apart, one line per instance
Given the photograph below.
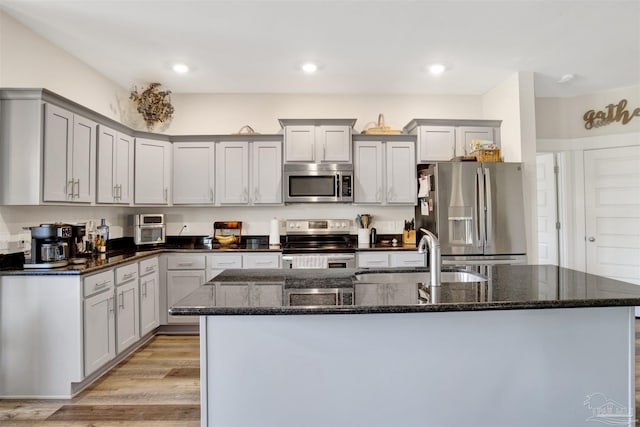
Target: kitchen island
x=536 y=345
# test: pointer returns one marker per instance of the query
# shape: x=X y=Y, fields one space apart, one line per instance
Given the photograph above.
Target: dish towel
x=309 y=261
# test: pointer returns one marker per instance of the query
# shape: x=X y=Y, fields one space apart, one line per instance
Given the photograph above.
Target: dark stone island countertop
x=511 y=287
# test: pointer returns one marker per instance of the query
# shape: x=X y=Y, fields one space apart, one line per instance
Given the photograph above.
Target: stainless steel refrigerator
x=476 y=210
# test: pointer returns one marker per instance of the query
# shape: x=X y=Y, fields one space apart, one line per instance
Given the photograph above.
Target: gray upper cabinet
x=193 y=173
x=115 y=166
x=69 y=156
x=466 y=134
x=443 y=140
x=317 y=141
x=384 y=170
x=436 y=143
x=152 y=171
x=249 y=172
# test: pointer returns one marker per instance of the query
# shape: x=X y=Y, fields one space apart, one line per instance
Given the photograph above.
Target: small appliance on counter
x=149 y=229
x=49 y=246
x=227 y=232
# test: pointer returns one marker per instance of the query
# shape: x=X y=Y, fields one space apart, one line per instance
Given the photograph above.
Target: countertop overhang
x=512 y=287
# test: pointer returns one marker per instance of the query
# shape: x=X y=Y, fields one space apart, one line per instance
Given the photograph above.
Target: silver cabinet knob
x=592 y=239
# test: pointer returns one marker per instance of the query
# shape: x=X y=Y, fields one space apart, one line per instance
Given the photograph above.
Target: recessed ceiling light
x=180 y=68
x=566 y=78
x=309 y=67
x=437 y=69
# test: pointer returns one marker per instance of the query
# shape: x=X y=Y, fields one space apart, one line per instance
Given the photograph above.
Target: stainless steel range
x=318 y=243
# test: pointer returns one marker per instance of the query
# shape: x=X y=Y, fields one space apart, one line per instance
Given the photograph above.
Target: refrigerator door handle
x=489 y=222
x=480 y=207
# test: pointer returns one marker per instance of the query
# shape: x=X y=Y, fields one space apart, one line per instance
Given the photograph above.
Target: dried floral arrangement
x=153 y=104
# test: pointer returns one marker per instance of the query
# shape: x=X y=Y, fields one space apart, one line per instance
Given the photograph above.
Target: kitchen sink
x=420 y=277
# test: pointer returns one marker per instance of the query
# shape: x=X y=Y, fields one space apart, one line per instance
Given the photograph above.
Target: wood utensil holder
x=408 y=237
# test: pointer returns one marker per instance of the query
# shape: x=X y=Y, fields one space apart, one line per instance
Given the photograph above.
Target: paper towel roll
x=274 y=232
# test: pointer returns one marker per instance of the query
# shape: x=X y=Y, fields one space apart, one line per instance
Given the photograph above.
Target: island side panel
x=40 y=336
x=498 y=368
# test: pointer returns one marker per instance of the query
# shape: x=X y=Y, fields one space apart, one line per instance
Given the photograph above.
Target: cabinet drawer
x=98 y=282
x=126 y=273
x=186 y=262
x=262 y=260
x=408 y=259
x=373 y=259
x=148 y=266
x=225 y=261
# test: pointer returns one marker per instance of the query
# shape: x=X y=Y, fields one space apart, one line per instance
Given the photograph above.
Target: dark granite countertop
x=511 y=287
x=113 y=258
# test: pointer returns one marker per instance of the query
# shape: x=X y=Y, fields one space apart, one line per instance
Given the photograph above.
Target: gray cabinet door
x=368 y=172
x=128 y=315
x=58 y=135
x=99 y=331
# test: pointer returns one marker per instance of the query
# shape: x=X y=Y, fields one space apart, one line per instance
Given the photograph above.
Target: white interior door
x=612 y=212
x=547 y=209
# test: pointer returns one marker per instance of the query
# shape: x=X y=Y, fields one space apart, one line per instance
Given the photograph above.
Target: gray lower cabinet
x=185 y=274
x=128 y=309
x=248 y=295
x=99 y=321
x=385 y=259
x=385 y=293
x=149 y=295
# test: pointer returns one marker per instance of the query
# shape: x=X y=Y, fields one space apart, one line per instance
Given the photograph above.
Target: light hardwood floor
x=157 y=386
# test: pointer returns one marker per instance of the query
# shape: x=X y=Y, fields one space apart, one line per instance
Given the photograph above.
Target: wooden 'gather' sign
x=613 y=113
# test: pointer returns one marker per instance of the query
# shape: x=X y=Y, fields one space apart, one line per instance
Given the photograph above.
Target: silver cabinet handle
x=185 y=264
x=592 y=239
x=166 y=194
x=256 y=195
x=144 y=286
x=226 y=262
x=245 y=195
x=121 y=300
x=67 y=191
x=128 y=276
x=77 y=181
x=101 y=285
x=149 y=268
x=210 y=194
x=111 y=304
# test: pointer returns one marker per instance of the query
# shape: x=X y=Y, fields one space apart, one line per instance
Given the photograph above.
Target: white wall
x=560 y=129
x=226 y=114
x=562 y=118
x=30 y=61
x=513 y=102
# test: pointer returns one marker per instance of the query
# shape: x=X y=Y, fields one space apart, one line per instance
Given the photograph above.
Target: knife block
x=408 y=237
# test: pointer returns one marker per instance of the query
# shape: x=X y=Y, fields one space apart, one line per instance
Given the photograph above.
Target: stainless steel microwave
x=149 y=229
x=318 y=182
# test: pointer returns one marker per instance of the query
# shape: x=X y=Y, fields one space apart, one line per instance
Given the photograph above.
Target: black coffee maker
x=50 y=246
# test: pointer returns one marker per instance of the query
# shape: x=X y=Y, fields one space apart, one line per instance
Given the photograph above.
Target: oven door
x=321 y=260
x=318 y=297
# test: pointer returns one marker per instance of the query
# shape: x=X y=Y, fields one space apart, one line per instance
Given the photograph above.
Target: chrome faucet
x=435 y=264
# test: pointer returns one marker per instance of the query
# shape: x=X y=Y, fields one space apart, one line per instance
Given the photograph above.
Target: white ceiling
x=361 y=46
